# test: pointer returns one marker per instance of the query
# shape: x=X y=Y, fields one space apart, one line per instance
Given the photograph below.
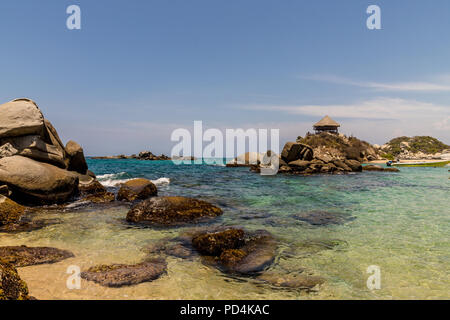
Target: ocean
x=398 y=222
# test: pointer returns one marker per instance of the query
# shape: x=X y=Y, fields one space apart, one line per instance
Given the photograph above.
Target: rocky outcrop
x=77 y=162
x=415 y=148
x=329 y=146
x=35 y=182
x=22 y=256
x=236 y=250
x=11 y=286
x=137 y=189
x=118 y=275
x=33 y=159
x=143 y=155
x=10 y=212
x=172 y=211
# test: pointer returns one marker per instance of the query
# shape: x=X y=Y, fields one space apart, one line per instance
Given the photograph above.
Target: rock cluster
x=415 y=148
x=299 y=158
x=143 y=155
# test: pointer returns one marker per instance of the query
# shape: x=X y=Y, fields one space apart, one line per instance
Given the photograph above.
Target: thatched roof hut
x=326 y=125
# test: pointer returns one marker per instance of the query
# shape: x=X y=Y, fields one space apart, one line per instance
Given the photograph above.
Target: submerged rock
x=103 y=197
x=137 y=189
x=323 y=218
x=216 y=242
x=22 y=256
x=372 y=167
x=236 y=251
x=172 y=211
x=36 y=182
x=291 y=281
x=118 y=275
x=170 y=248
x=26 y=225
x=11 y=286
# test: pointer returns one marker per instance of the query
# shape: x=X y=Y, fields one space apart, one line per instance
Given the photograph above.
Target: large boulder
x=299 y=165
x=354 y=165
x=296 y=151
x=33 y=147
x=20 y=117
x=136 y=189
x=11 y=286
x=10 y=212
x=77 y=162
x=35 y=182
x=172 y=211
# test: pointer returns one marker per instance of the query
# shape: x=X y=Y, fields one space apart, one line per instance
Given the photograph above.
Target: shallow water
x=401 y=224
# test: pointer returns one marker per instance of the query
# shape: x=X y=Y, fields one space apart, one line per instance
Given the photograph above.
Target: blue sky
x=139 y=69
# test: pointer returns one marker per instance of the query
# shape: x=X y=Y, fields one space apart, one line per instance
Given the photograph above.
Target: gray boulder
x=296 y=151
x=35 y=182
x=33 y=147
x=77 y=162
x=20 y=117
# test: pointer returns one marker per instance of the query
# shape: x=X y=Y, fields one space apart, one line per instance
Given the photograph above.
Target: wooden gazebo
x=326 y=125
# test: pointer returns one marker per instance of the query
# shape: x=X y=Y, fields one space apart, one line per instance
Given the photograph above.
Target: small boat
x=440 y=163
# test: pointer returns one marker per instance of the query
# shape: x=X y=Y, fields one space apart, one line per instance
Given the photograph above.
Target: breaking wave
x=114 y=179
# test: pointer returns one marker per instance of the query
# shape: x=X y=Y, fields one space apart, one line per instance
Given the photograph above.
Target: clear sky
x=139 y=69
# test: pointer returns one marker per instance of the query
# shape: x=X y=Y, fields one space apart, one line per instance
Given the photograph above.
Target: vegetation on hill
x=424 y=144
x=348 y=147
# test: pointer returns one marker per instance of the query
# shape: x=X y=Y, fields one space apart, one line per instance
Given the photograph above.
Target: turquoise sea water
x=399 y=222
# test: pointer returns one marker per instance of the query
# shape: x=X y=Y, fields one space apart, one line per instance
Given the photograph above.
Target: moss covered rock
x=11 y=286
x=172 y=211
x=118 y=275
x=22 y=256
x=215 y=243
x=137 y=189
x=10 y=211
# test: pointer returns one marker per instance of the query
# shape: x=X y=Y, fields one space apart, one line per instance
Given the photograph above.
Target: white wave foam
x=161 y=181
x=115 y=179
x=114 y=183
x=110 y=176
x=112 y=179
